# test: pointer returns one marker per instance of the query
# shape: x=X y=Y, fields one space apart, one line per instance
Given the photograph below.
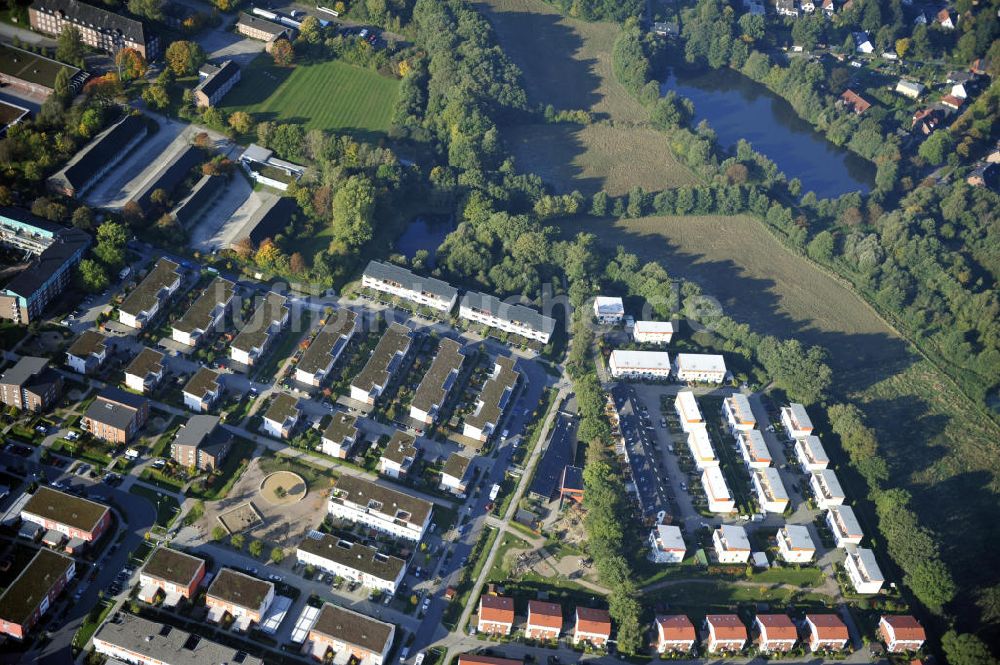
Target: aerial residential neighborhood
x=505 y=332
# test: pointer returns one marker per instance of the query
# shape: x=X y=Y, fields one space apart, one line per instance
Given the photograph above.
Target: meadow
x=322 y=95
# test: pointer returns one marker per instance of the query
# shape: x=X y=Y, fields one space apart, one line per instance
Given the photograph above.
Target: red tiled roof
x=952 y=100
x=499 y=609
x=943 y=15
x=545 y=615
x=474 y=659
x=778 y=626
x=858 y=103
x=727 y=626
x=676 y=627
x=905 y=627
x=828 y=626
x=591 y=620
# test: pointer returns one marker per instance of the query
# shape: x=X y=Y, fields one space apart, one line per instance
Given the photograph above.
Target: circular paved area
x=283 y=488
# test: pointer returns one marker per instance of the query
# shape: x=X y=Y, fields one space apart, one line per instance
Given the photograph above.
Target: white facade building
x=653 y=332
x=844 y=525
x=639 y=364
x=400 y=282
x=753 y=449
x=739 y=415
x=701 y=449
x=796 y=421
x=731 y=544
x=700 y=367
x=826 y=489
x=609 y=311
x=795 y=545
x=381 y=508
x=863 y=571
x=688 y=412
x=716 y=491
x=666 y=544
x=512 y=318
x=770 y=491
x=352 y=561
x=811 y=455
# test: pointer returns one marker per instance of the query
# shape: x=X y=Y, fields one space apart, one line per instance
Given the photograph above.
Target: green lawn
x=322 y=95
x=166 y=505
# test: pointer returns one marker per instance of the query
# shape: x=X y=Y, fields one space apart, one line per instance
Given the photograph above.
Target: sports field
x=322 y=95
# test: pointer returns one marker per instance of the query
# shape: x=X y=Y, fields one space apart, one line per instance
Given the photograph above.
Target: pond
x=738 y=108
x=425 y=233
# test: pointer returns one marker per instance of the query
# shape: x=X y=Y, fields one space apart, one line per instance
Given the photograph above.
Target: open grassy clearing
x=937 y=444
x=321 y=95
x=567 y=63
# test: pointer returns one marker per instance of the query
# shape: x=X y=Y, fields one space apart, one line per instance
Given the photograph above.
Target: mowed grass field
x=939 y=446
x=323 y=95
x=567 y=63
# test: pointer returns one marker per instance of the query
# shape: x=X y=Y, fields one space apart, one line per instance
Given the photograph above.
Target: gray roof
x=147 y=293
x=495 y=395
x=799 y=416
x=354 y=555
x=103 y=150
x=383 y=500
x=199 y=315
x=115 y=408
x=254 y=152
x=204 y=381
x=439 y=378
x=256 y=331
x=341 y=426
x=196 y=430
x=101 y=19
x=218 y=78
x=32 y=585
x=519 y=314
x=734 y=537
x=67 y=247
x=845 y=514
x=353 y=628
x=264 y=25
x=332 y=336
x=239 y=589
x=89 y=342
x=798 y=537
x=23 y=371
x=146 y=362
x=395 y=340
x=166 y=644
x=400 y=447
x=389 y=272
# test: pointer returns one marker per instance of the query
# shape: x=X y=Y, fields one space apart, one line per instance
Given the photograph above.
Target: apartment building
x=381 y=508
x=127 y=638
x=753 y=450
x=205 y=313
x=639 y=364
x=666 y=544
x=796 y=421
x=88 y=352
x=425 y=407
x=201 y=444
x=844 y=525
x=261 y=29
x=242 y=597
x=400 y=282
x=826 y=489
x=653 y=332
x=827 y=632
x=591 y=626
x=353 y=636
x=795 y=545
x=72 y=516
x=775 y=633
x=33 y=592
x=99 y=28
x=496 y=615
x=254 y=339
x=281 y=416
x=455 y=474
x=340 y=435
x=399 y=455
x=688 y=412
x=145 y=371
x=353 y=561
x=716 y=491
x=901 y=633
x=30 y=385
x=326 y=348
x=726 y=632
x=863 y=571
x=173 y=573
x=517 y=319
x=608 y=310
x=493 y=400
x=738 y=413
x=700 y=367
x=675 y=634
x=116 y=416
x=810 y=454
x=383 y=364
x=731 y=544
x=146 y=299
x=770 y=491
x=202 y=390
x=220 y=80
x=545 y=621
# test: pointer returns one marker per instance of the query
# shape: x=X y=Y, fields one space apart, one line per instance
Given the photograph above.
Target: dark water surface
x=424 y=233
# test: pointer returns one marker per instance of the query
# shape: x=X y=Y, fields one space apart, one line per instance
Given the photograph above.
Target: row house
x=496 y=615
x=511 y=318
x=717 y=491
x=145 y=371
x=116 y=416
x=652 y=332
x=398 y=455
x=811 y=455
x=753 y=450
x=639 y=364
x=205 y=313
x=739 y=415
x=173 y=573
x=775 y=633
x=425 y=407
x=493 y=400
x=796 y=421
x=863 y=571
x=380 y=508
x=675 y=634
x=353 y=561
x=73 y=516
x=770 y=491
x=827 y=632
x=826 y=489
x=455 y=474
x=731 y=544
x=700 y=446
x=844 y=525
x=254 y=338
x=88 y=352
x=203 y=390
x=383 y=364
x=246 y=599
x=901 y=633
x=281 y=416
x=33 y=592
x=592 y=626
x=340 y=435
x=351 y=636
x=326 y=348
x=152 y=293
x=545 y=621
x=700 y=367
x=127 y=638
x=400 y=282
x=726 y=632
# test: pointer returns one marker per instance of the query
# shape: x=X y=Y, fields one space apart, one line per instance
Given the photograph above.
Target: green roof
x=65 y=508
x=25 y=594
x=172 y=566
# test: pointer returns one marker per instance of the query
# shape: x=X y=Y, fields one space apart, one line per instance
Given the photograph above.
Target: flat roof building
x=716 y=491
x=255 y=337
x=132 y=639
x=385 y=360
x=88 y=352
x=244 y=598
x=340 y=435
x=342 y=631
x=72 y=516
x=770 y=491
x=731 y=544
x=398 y=281
x=700 y=367
x=795 y=545
x=739 y=415
x=844 y=525
x=281 y=416
x=653 y=332
x=753 y=450
x=810 y=453
x=353 y=561
x=437 y=383
x=608 y=310
x=666 y=544
x=202 y=390
x=381 y=508
x=493 y=400
x=145 y=371
x=171 y=572
x=145 y=300
x=205 y=313
x=796 y=421
x=326 y=347
x=688 y=412
x=517 y=319
x=639 y=364
x=826 y=489
x=33 y=591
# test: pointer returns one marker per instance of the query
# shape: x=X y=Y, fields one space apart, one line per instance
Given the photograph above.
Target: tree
x=83 y=218
x=966 y=649
x=283 y=53
x=297 y=264
x=156 y=96
x=237 y=540
x=93 y=276
x=69 y=46
x=184 y=57
x=241 y=122
x=310 y=30
x=256 y=548
x=111 y=240
x=105 y=90
x=936 y=147
x=277 y=555
x=902 y=47
x=151 y=9
x=130 y=63
x=353 y=206
x=218 y=533
x=752 y=26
